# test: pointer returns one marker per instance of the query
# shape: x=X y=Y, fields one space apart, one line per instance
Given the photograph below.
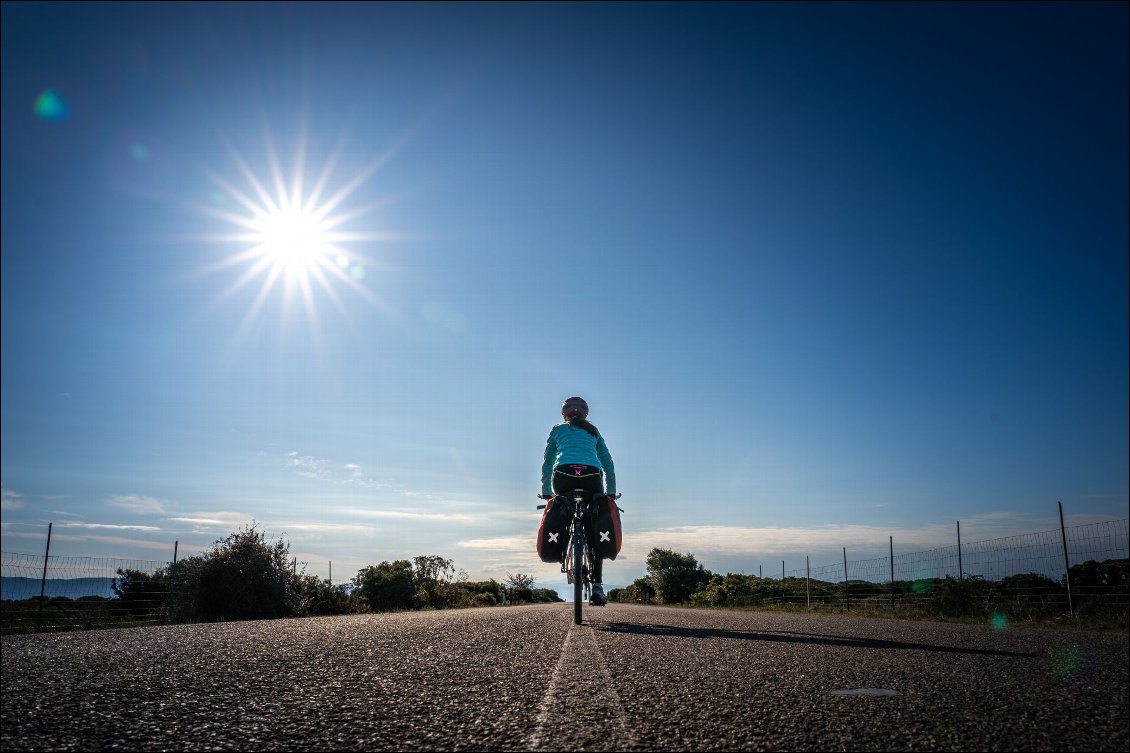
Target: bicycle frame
x=578 y=557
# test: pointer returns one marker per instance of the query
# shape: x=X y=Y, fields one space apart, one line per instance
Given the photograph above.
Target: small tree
x=388 y=586
x=544 y=596
x=641 y=590
x=433 y=575
x=317 y=596
x=140 y=593
x=676 y=576
x=245 y=577
x=520 y=586
x=482 y=593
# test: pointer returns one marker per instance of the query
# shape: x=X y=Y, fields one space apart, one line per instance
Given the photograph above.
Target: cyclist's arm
x=547 y=465
x=606 y=463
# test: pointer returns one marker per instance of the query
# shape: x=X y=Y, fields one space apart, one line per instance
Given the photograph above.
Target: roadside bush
x=243 y=577
x=676 y=576
x=140 y=593
x=388 y=586
x=952 y=597
x=317 y=596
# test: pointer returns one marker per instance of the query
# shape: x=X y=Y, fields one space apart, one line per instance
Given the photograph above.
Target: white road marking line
x=550 y=693
x=581 y=683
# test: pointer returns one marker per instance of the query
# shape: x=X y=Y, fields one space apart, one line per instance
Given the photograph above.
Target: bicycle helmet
x=573 y=408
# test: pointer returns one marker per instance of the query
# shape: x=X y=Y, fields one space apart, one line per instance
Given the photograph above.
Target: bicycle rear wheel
x=578 y=572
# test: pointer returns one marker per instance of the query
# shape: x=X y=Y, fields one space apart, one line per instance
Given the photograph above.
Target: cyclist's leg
x=596 y=575
x=597 y=566
x=596 y=489
x=597 y=560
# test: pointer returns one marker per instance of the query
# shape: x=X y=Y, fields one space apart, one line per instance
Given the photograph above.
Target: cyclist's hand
x=545 y=496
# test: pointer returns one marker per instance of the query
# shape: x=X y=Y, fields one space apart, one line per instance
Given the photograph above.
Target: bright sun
x=294 y=240
x=293 y=233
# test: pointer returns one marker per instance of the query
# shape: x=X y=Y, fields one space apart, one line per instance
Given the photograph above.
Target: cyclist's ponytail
x=584 y=424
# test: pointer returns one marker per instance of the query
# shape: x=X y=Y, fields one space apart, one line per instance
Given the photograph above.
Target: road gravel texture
x=525 y=678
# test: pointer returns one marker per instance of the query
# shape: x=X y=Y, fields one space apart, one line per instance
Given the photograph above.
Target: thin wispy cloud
x=307 y=527
x=324 y=469
x=358 y=477
x=308 y=466
x=125 y=544
x=10 y=500
x=517 y=543
x=138 y=503
x=208 y=521
x=444 y=517
x=354 y=475
x=109 y=526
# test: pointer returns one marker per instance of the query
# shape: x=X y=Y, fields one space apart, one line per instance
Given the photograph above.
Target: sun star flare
x=293 y=235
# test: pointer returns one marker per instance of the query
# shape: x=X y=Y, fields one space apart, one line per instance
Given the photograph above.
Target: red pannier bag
x=553 y=534
x=606 y=527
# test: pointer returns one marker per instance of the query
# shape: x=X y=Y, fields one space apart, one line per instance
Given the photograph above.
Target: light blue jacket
x=572 y=445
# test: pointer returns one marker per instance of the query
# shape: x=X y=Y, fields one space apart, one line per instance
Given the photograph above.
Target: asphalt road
x=524 y=678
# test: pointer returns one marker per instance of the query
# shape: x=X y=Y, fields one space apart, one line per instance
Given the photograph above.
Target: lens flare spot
x=140 y=152
x=1065 y=661
x=998 y=621
x=357 y=272
x=50 y=106
x=342 y=261
x=920 y=586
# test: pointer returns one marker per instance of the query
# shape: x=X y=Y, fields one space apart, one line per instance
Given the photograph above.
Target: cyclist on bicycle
x=576 y=457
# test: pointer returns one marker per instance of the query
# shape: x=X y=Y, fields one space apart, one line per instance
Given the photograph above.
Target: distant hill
x=28 y=588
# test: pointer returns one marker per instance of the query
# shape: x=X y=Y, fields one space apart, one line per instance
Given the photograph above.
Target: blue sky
x=826 y=273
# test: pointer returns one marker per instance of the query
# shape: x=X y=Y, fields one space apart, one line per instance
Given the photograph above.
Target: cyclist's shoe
x=597 y=598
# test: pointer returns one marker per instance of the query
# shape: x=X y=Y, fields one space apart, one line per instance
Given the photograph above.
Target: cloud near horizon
x=77 y=524
x=138 y=503
x=206 y=522
x=445 y=517
x=707 y=542
x=126 y=543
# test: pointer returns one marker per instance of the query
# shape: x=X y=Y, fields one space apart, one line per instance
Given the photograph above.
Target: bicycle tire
x=578 y=571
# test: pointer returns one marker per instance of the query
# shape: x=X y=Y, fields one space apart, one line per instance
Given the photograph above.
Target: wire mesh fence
x=1081 y=569
x=1041 y=553
x=80 y=592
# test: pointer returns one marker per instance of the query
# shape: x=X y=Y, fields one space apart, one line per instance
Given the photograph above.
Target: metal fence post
x=960 y=569
x=847 y=593
x=892 y=542
x=1066 y=565
x=173 y=579
x=331 y=572
x=43 y=580
x=807 y=583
